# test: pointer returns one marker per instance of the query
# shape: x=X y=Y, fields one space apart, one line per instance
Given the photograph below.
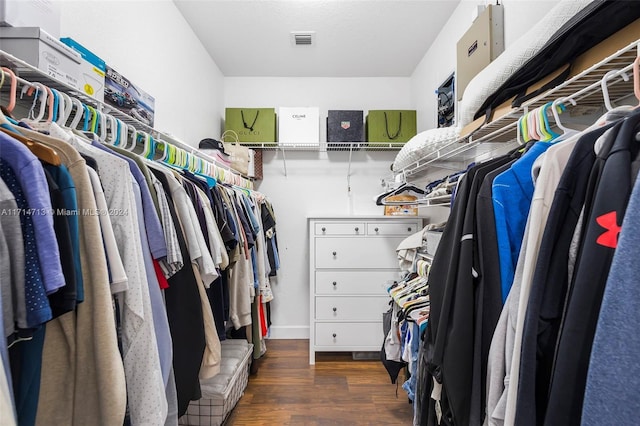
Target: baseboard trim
x=289 y=332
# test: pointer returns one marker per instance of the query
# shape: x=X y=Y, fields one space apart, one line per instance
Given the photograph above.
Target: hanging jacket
x=549 y=280
x=450 y=330
x=592 y=269
x=613 y=368
x=488 y=295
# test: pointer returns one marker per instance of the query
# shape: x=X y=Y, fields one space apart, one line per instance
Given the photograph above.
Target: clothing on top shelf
x=538 y=229
x=121 y=274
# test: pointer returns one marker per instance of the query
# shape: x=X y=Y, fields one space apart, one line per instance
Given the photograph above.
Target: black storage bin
x=344 y=127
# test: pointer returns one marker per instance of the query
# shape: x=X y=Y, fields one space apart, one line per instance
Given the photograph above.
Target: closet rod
x=19 y=66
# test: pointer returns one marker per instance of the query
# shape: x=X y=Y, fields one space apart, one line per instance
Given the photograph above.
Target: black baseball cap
x=209 y=143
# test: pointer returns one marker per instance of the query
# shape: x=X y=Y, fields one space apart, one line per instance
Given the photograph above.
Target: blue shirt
x=155 y=233
x=62 y=177
x=38 y=308
x=512 y=193
x=158 y=309
x=30 y=177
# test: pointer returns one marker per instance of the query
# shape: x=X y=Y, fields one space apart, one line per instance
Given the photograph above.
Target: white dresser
x=352 y=261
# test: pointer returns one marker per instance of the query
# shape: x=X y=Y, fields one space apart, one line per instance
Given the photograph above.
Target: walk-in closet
x=319 y=212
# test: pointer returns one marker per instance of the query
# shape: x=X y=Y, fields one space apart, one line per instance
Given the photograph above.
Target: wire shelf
x=501 y=133
x=328 y=146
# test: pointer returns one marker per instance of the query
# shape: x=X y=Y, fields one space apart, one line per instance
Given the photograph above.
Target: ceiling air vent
x=302 y=38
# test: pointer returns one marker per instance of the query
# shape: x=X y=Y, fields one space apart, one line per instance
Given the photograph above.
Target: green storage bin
x=253 y=125
x=391 y=126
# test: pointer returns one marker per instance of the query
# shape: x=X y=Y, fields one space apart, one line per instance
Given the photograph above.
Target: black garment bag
x=593 y=24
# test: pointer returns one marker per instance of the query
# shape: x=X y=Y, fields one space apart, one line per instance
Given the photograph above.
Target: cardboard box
x=389 y=126
x=36 y=47
x=125 y=96
x=253 y=125
x=92 y=70
x=345 y=126
x=299 y=125
x=31 y=13
x=481 y=44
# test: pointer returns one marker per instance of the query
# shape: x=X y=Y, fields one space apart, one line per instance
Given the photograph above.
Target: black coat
x=589 y=279
x=546 y=299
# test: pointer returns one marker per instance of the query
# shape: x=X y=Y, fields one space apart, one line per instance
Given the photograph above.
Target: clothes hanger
x=559 y=104
x=531 y=126
x=39 y=95
x=56 y=105
x=149 y=147
x=113 y=130
x=13 y=90
x=68 y=107
x=403 y=188
x=86 y=117
x=132 y=138
x=79 y=112
x=545 y=126
x=165 y=151
x=520 y=131
x=636 y=79
x=605 y=90
x=43 y=152
x=122 y=134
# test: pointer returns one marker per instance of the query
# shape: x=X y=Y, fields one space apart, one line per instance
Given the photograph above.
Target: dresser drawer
x=356 y=253
x=354 y=282
x=349 y=334
x=351 y=308
x=394 y=228
x=353 y=228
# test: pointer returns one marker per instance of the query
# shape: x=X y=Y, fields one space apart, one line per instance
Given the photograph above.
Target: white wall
x=316 y=182
x=150 y=43
x=440 y=60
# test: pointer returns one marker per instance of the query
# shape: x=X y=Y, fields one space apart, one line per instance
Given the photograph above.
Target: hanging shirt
x=155 y=234
x=512 y=192
x=64 y=300
x=12 y=270
x=38 y=310
x=153 y=393
x=62 y=178
x=185 y=211
x=12 y=291
x=174 y=261
x=29 y=174
x=184 y=312
x=117 y=275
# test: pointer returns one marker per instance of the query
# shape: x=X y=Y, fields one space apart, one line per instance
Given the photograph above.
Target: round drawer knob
x=357 y=229
x=335 y=309
x=335 y=283
x=334 y=335
x=376 y=230
x=409 y=229
x=335 y=253
x=324 y=229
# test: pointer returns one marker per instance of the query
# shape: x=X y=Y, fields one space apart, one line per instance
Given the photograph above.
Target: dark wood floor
x=336 y=391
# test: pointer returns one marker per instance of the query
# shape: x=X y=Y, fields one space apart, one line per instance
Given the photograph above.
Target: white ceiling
x=353 y=38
